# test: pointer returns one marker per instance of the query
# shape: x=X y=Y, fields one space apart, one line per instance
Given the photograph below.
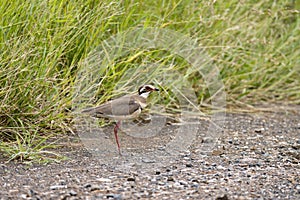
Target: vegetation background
x=254 y=43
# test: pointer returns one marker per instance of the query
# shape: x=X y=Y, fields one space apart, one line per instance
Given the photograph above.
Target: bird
x=122 y=108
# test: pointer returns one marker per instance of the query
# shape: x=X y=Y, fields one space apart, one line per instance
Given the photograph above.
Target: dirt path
x=257 y=157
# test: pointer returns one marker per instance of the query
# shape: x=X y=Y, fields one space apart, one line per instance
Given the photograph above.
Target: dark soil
x=256 y=157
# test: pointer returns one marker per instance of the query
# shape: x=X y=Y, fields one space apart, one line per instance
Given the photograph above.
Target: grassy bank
x=255 y=45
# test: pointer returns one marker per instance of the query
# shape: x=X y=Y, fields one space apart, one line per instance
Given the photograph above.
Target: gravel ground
x=256 y=157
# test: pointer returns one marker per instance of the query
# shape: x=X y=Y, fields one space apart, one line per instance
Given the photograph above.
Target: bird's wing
x=123 y=106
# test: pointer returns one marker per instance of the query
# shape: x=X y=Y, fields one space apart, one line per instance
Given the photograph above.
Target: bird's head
x=145 y=90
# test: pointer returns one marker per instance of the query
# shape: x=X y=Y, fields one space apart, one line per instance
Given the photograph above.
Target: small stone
x=219 y=167
x=216 y=152
x=183 y=183
x=195 y=185
x=114 y=196
x=95 y=188
x=88 y=185
x=157 y=173
x=162 y=148
x=153 y=180
x=207 y=140
x=161 y=183
x=189 y=165
x=170 y=178
x=222 y=198
x=259 y=130
x=32 y=192
x=57 y=187
x=73 y=193
x=178 y=185
x=146 y=160
x=130 y=179
x=62 y=182
x=104 y=180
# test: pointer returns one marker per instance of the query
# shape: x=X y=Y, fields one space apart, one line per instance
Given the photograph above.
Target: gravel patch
x=256 y=157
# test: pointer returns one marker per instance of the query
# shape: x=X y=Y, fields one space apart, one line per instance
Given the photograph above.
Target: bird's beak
x=156 y=89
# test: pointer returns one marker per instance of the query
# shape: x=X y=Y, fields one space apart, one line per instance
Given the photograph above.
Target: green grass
x=255 y=45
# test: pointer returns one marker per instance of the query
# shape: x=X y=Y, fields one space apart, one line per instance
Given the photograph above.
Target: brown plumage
x=126 y=107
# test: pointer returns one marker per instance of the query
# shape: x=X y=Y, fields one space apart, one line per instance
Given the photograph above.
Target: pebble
x=95 y=187
x=146 y=160
x=183 y=183
x=208 y=140
x=195 y=185
x=57 y=187
x=104 y=179
x=131 y=179
x=114 y=196
x=73 y=193
x=222 y=198
x=178 y=185
x=189 y=165
x=219 y=167
x=170 y=178
x=259 y=130
x=87 y=185
x=161 y=183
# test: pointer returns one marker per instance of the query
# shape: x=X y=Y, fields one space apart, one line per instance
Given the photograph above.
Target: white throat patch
x=145 y=94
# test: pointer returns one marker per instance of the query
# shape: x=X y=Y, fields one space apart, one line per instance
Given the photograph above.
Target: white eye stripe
x=146 y=89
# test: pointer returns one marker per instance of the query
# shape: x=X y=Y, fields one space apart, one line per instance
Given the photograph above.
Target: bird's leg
x=118 y=124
